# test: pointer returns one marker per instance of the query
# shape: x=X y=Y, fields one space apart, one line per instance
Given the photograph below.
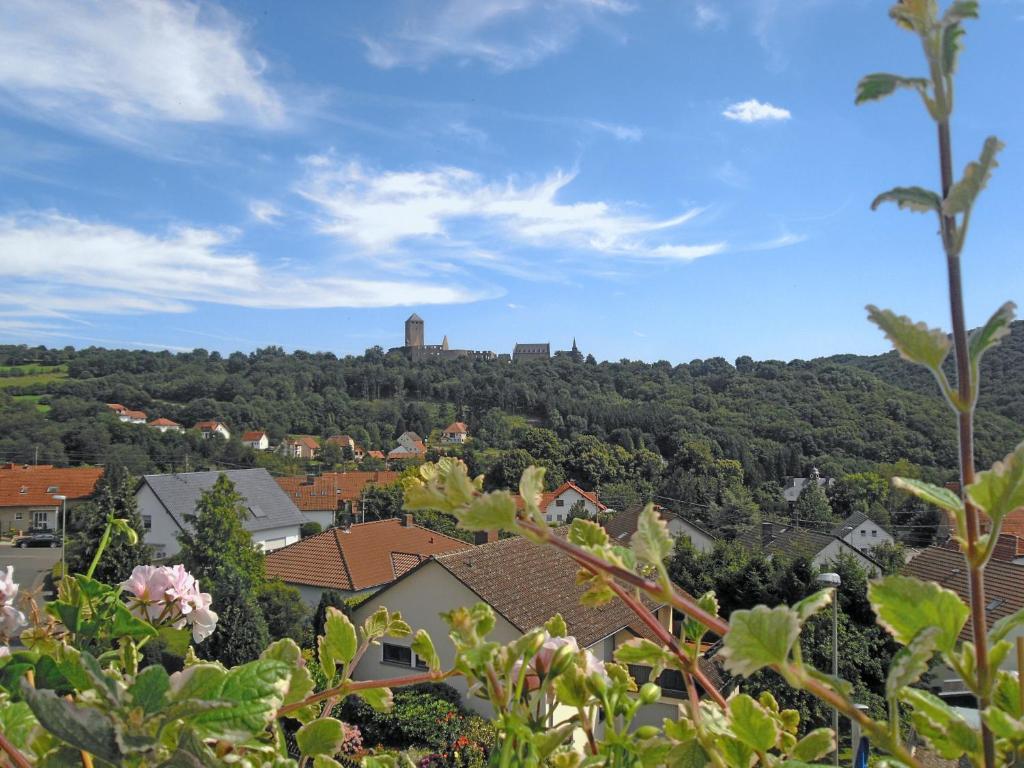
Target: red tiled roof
x=305 y=441
x=456 y=427
x=253 y=436
x=375 y=454
x=135 y=414
x=1004 y=582
x=548 y=496
x=208 y=426
x=162 y=422
x=340 y=440
x=1013 y=524
x=327 y=491
x=418 y=449
x=116 y=407
x=369 y=555
x=22 y=485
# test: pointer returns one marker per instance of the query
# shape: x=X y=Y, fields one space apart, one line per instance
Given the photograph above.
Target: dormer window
x=23 y=490
x=53 y=489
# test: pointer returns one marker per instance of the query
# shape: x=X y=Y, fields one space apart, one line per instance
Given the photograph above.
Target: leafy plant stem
x=12 y=751
x=351 y=686
x=965 y=423
x=104 y=540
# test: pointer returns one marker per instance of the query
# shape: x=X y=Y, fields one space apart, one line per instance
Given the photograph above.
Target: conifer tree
x=241 y=633
x=114 y=495
x=812 y=505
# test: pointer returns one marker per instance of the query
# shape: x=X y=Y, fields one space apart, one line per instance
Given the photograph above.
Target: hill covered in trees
x=633 y=429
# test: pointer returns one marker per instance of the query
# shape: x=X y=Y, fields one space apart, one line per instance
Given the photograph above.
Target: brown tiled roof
x=162 y=422
x=306 y=441
x=375 y=454
x=134 y=414
x=208 y=426
x=456 y=427
x=1013 y=524
x=362 y=558
x=1004 y=582
x=116 y=407
x=340 y=440
x=529 y=583
x=253 y=436
x=326 y=491
x=24 y=485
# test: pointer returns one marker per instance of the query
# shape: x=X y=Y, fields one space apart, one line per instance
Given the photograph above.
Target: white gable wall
x=701 y=541
x=867 y=535
x=558 y=510
x=162 y=533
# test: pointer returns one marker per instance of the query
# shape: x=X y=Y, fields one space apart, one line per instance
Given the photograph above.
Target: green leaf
x=338 y=644
x=556 y=626
x=905 y=606
x=811 y=604
x=945 y=729
x=986 y=337
x=1000 y=490
x=531 y=486
x=492 y=511
x=816 y=744
x=915 y=342
x=380 y=699
x=81 y=727
x=976 y=175
x=175 y=641
x=640 y=650
x=1004 y=626
x=423 y=647
x=300 y=684
x=200 y=681
x=652 y=542
x=916 y=199
x=322 y=761
x=734 y=751
x=256 y=690
x=376 y=624
x=126 y=624
x=960 y=10
x=150 y=689
x=587 y=533
x=881 y=84
x=932 y=494
x=759 y=638
x=752 y=724
x=694 y=629
x=951 y=47
x=911 y=662
x=16 y=722
x=323 y=736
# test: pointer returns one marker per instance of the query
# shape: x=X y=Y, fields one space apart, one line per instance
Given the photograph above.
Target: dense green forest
x=711 y=434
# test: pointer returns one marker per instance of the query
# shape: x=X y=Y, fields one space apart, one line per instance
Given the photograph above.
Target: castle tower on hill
x=414 y=332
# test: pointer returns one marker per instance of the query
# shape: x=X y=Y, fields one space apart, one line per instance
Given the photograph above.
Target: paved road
x=30 y=565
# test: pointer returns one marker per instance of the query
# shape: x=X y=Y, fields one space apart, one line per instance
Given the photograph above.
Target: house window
x=40 y=518
x=17 y=515
x=559 y=502
x=147 y=522
x=159 y=551
x=874 y=533
x=52 y=489
x=559 y=518
x=396 y=654
x=863 y=532
x=420 y=663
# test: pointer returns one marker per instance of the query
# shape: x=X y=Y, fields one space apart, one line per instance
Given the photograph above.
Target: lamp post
x=833 y=580
x=63 y=500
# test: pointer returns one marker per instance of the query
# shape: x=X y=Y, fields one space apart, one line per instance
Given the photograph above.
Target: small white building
x=455 y=433
x=623 y=525
x=166 y=501
x=410 y=446
x=166 y=425
x=557 y=504
x=132 y=417
x=256 y=439
x=212 y=428
x=861 y=532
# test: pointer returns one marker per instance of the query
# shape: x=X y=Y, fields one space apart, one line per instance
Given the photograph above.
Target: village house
x=410 y=446
x=525 y=584
x=455 y=433
x=27 y=491
x=556 y=504
x=211 y=428
x=165 y=425
x=1003 y=591
x=860 y=531
x=794 y=485
x=116 y=408
x=166 y=501
x=358 y=559
x=321 y=497
x=256 y=439
x=821 y=549
x=129 y=416
x=346 y=441
x=300 y=447
x=623 y=525
x=376 y=455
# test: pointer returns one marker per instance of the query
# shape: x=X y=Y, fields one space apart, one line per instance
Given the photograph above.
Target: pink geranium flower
x=170 y=595
x=11 y=619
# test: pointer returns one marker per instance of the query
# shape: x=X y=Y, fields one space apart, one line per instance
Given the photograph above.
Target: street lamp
x=833 y=580
x=63 y=528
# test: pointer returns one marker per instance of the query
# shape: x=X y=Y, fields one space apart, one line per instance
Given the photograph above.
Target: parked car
x=38 y=539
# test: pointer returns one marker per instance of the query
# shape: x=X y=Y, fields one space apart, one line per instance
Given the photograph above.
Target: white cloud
x=264 y=211
x=381 y=210
x=620 y=132
x=754 y=111
x=706 y=14
x=505 y=34
x=113 y=64
x=56 y=264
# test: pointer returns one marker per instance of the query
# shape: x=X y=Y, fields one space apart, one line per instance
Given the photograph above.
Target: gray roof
x=850 y=523
x=268 y=505
x=795 y=485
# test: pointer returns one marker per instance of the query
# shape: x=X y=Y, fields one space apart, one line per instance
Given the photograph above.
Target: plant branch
x=14 y=753
x=350 y=686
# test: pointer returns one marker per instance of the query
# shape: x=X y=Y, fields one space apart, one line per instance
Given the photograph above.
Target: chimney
x=407 y=521
x=484 y=537
x=766 y=534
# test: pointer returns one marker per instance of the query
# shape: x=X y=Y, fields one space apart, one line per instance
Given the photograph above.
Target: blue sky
x=659 y=180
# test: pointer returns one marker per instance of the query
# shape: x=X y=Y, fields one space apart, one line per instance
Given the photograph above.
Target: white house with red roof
x=410 y=446
x=556 y=504
x=211 y=428
x=166 y=425
x=455 y=433
x=129 y=416
x=256 y=439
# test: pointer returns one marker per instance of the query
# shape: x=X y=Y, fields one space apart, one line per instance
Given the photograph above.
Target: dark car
x=38 y=539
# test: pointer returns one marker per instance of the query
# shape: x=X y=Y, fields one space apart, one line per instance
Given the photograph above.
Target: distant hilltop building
x=416 y=348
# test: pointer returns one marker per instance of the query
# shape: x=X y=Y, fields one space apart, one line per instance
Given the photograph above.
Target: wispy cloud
x=377 y=211
x=264 y=211
x=59 y=264
x=505 y=34
x=754 y=111
x=707 y=14
x=109 y=67
x=620 y=132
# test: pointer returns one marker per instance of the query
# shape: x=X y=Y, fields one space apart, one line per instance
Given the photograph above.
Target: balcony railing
x=670 y=680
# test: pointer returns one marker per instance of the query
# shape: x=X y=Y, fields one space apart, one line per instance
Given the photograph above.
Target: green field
x=34 y=399
x=31 y=381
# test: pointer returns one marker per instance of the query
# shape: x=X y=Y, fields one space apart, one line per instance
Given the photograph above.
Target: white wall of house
x=832 y=551
x=558 y=509
x=867 y=535
x=275 y=538
x=701 y=541
x=161 y=530
x=323 y=516
x=454 y=437
x=260 y=445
